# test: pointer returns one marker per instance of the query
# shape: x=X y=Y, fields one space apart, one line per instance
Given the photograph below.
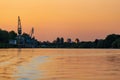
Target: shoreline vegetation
x=9 y=40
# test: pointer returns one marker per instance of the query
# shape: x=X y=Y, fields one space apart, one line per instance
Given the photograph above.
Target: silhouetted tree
x=100 y=44
x=58 y=40
x=110 y=39
x=116 y=43
x=69 y=40
x=12 y=35
x=86 y=44
x=26 y=37
x=62 y=40
x=4 y=36
x=77 y=40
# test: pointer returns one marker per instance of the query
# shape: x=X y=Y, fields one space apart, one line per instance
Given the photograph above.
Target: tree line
x=6 y=36
x=110 y=41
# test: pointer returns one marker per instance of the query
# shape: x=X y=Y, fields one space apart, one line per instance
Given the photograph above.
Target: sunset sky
x=83 y=19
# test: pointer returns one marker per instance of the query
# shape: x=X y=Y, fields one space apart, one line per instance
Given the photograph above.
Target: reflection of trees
x=114 y=59
x=113 y=63
x=7 y=64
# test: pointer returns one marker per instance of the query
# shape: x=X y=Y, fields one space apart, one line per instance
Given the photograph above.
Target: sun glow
x=84 y=19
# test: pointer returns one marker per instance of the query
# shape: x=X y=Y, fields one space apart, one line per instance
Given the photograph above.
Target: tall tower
x=19 y=41
x=32 y=32
x=19 y=26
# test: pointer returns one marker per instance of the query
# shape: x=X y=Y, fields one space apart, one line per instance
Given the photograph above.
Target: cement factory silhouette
x=23 y=40
x=19 y=39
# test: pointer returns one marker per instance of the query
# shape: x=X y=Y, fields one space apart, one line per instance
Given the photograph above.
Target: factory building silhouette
x=23 y=39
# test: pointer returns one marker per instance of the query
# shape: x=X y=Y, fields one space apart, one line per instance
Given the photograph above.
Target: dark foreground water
x=59 y=64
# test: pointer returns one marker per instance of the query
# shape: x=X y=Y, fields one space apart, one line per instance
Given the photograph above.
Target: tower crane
x=19 y=26
x=32 y=32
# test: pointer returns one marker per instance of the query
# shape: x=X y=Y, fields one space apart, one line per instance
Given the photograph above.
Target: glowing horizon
x=83 y=19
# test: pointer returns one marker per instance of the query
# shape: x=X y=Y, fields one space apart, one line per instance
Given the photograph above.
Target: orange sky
x=83 y=19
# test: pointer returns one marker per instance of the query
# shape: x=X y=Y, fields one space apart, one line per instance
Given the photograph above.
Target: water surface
x=59 y=64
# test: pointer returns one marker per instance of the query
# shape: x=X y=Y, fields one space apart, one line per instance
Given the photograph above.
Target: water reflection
x=19 y=51
x=46 y=64
x=8 y=61
x=29 y=71
x=113 y=62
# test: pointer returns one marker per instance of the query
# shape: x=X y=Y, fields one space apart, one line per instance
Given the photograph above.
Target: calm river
x=59 y=64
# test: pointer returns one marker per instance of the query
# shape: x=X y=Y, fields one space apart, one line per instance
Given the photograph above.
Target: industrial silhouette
x=25 y=40
x=19 y=37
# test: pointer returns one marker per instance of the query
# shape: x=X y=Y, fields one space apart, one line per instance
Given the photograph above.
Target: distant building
x=13 y=42
x=20 y=40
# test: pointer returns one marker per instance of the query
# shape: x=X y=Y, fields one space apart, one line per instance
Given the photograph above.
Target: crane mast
x=19 y=41
x=19 y=26
x=32 y=32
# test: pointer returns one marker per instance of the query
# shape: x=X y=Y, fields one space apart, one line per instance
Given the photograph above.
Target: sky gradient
x=83 y=19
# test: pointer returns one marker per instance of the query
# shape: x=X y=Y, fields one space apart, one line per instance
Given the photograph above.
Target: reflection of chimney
x=19 y=26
